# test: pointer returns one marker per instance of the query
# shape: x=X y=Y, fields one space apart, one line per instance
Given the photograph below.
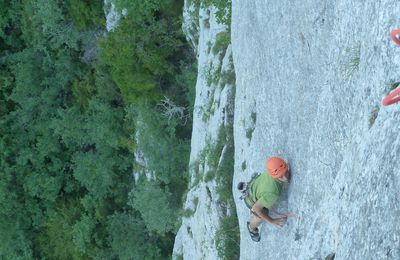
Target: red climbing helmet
x=276 y=167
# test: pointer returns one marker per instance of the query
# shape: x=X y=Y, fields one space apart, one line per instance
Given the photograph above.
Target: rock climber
x=262 y=192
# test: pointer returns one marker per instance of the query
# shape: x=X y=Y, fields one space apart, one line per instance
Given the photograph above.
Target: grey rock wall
x=310 y=77
x=213 y=109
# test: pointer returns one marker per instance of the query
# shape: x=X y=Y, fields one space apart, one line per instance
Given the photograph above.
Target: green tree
x=129 y=239
x=56 y=239
x=86 y=14
x=154 y=205
x=166 y=154
x=82 y=232
x=140 y=50
x=67 y=139
x=14 y=241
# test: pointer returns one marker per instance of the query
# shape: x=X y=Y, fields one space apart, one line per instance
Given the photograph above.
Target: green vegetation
x=393 y=85
x=75 y=108
x=196 y=202
x=212 y=74
x=139 y=69
x=223 y=39
x=195 y=171
x=227 y=237
x=190 y=212
x=86 y=14
x=351 y=61
x=253 y=117
x=209 y=176
x=244 y=166
x=373 y=116
x=68 y=129
x=208 y=110
x=249 y=133
x=228 y=76
x=219 y=156
x=224 y=9
x=207 y=23
x=250 y=129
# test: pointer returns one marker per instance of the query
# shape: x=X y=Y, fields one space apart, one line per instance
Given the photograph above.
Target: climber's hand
x=279 y=222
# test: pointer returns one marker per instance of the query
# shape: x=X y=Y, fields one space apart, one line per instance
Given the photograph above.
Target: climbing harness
x=244 y=188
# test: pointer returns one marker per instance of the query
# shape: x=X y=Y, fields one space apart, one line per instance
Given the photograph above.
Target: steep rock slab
x=310 y=78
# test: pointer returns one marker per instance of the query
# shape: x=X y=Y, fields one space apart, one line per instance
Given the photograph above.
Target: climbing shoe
x=255 y=235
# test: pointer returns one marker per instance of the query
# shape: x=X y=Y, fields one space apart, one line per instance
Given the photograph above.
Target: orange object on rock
x=395 y=36
x=392 y=98
x=276 y=167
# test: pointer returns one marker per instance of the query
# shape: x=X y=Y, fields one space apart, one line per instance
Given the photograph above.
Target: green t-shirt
x=265 y=189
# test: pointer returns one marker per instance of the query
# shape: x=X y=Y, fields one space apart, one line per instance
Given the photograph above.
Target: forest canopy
x=76 y=104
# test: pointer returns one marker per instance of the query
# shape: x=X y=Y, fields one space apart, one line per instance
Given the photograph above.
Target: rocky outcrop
x=112 y=15
x=213 y=110
x=310 y=79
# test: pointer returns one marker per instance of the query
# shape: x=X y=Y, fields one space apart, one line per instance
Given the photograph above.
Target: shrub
x=225 y=174
x=244 y=165
x=224 y=10
x=249 y=133
x=129 y=239
x=186 y=80
x=373 y=116
x=86 y=14
x=209 y=176
x=56 y=239
x=223 y=39
x=253 y=117
x=228 y=77
x=351 y=61
x=139 y=52
x=227 y=238
x=83 y=90
x=165 y=153
x=147 y=197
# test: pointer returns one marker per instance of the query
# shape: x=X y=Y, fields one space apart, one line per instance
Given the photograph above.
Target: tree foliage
x=149 y=196
x=129 y=238
x=140 y=50
x=67 y=130
x=86 y=14
x=165 y=152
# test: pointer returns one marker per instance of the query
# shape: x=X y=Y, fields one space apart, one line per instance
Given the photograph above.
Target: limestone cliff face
x=310 y=79
x=213 y=110
x=112 y=15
